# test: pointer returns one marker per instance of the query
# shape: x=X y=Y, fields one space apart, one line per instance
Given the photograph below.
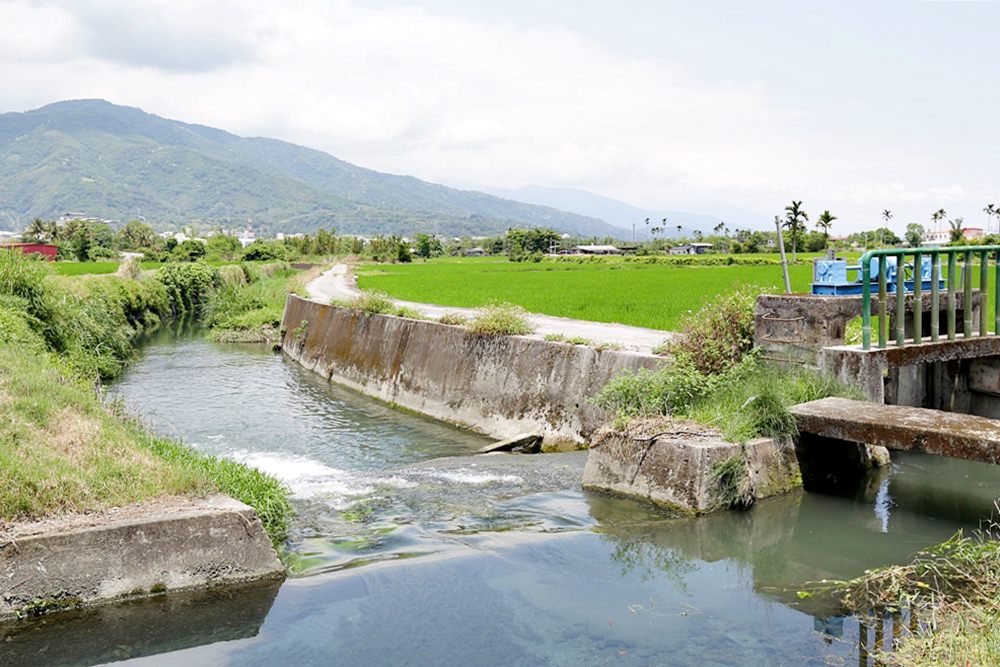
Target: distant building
x=940 y=237
x=246 y=237
x=691 y=249
x=47 y=250
x=474 y=252
x=596 y=250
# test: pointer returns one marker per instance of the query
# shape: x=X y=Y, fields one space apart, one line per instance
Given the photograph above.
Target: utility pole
x=784 y=259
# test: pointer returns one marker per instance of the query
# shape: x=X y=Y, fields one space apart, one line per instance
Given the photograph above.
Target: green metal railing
x=954 y=280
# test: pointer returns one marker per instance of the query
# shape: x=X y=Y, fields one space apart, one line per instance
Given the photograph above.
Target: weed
x=732 y=481
x=572 y=340
x=454 y=319
x=501 y=320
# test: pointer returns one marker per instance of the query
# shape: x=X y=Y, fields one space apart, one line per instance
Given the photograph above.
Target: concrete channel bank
x=498 y=386
x=165 y=545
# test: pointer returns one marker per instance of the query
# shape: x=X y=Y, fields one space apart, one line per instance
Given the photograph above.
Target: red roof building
x=47 y=250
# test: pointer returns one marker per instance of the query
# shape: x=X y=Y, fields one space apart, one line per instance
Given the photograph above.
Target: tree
x=189 y=250
x=990 y=211
x=795 y=222
x=36 y=231
x=957 y=232
x=824 y=222
x=937 y=216
x=427 y=246
x=914 y=234
x=135 y=235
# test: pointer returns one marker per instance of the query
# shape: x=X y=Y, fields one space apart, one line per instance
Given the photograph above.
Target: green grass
x=654 y=296
x=249 y=305
x=94 y=268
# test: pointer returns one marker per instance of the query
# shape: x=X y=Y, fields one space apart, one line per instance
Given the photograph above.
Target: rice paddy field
x=614 y=290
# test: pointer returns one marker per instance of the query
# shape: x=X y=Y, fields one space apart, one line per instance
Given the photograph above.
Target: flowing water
x=408 y=549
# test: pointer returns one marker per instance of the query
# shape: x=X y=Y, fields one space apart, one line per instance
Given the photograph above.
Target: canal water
x=408 y=549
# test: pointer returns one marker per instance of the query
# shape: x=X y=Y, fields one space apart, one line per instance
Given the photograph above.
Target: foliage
x=260 y=251
x=562 y=338
x=795 y=219
x=720 y=333
x=188 y=250
x=522 y=244
x=670 y=390
x=502 y=319
x=188 y=286
x=249 y=303
x=373 y=303
x=914 y=235
x=732 y=481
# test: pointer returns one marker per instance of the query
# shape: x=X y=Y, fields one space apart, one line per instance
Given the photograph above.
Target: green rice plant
x=500 y=320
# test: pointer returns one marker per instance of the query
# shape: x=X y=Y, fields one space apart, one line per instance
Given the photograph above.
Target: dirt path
x=339 y=283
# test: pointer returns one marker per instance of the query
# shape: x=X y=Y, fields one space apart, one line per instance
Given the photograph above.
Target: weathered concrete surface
x=676 y=470
x=794 y=328
x=500 y=386
x=900 y=427
x=868 y=368
x=175 y=544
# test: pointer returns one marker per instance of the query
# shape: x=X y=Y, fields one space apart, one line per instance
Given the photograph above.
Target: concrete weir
x=690 y=472
x=171 y=544
x=501 y=386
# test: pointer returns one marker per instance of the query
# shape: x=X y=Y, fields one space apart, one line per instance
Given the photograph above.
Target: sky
x=712 y=107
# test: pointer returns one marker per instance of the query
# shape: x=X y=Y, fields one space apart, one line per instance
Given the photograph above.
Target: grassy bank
x=61 y=449
x=640 y=293
x=248 y=305
x=950 y=592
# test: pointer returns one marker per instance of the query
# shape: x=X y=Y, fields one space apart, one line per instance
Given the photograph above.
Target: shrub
x=258 y=251
x=373 y=303
x=188 y=286
x=666 y=391
x=129 y=269
x=720 y=333
x=501 y=320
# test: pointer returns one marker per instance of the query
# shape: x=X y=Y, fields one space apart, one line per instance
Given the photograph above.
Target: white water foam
x=307 y=478
x=473 y=477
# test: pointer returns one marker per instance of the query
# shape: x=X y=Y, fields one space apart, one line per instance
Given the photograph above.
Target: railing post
x=900 y=301
x=936 y=296
x=996 y=292
x=984 y=292
x=967 y=307
x=883 y=299
x=952 y=283
x=918 y=297
x=866 y=302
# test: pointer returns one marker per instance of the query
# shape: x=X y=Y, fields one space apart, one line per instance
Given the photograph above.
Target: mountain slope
x=119 y=162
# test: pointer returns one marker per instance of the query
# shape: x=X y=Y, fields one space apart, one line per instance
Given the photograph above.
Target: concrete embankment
x=145 y=549
x=500 y=386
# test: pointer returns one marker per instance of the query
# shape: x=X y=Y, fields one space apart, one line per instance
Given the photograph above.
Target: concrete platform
x=903 y=428
x=163 y=545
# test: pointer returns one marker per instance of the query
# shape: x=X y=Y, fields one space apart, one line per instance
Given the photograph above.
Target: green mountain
x=118 y=162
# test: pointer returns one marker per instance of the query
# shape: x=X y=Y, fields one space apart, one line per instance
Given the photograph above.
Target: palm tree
x=795 y=221
x=937 y=216
x=36 y=231
x=990 y=211
x=956 y=232
x=824 y=222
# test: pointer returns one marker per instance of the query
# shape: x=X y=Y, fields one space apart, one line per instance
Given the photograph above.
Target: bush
x=373 y=303
x=501 y=320
x=258 y=251
x=188 y=286
x=719 y=334
x=669 y=390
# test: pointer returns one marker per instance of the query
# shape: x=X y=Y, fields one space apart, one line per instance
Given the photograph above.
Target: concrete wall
x=163 y=545
x=499 y=386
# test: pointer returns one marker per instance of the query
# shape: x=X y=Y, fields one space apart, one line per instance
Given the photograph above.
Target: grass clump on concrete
x=377 y=303
x=572 y=340
x=714 y=378
x=501 y=320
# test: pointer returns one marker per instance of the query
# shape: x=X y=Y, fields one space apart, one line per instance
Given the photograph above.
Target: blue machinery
x=830 y=276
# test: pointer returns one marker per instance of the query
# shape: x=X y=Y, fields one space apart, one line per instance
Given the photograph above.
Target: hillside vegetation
x=119 y=162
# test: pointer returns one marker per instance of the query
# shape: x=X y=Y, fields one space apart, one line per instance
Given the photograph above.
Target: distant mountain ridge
x=121 y=163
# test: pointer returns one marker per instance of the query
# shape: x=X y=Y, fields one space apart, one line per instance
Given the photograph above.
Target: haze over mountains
x=121 y=163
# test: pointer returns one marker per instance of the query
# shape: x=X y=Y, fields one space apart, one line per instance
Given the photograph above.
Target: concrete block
x=168 y=544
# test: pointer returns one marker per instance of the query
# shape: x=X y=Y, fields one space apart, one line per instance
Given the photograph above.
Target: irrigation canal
x=409 y=550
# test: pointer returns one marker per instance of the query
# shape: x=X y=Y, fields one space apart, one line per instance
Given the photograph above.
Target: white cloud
x=457 y=99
